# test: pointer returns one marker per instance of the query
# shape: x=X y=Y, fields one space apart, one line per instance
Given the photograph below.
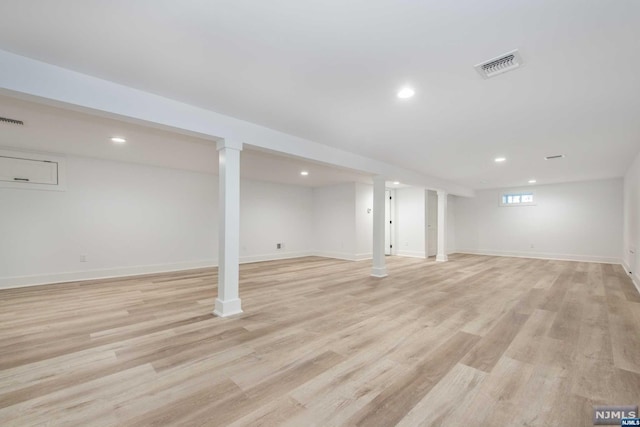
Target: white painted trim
x=542 y=255
x=626 y=268
x=337 y=255
x=228 y=308
x=520 y=193
x=362 y=257
x=141 y=270
x=114 y=273
x=108 y=273
x=412 y=254
x=274 y=256
x=379 y=272
x=138 y=270
x=229 y=143
x=635 y=277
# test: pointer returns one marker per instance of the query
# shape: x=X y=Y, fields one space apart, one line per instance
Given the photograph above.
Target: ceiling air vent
x=11 y=121
x=501 y=64
x=557 y=156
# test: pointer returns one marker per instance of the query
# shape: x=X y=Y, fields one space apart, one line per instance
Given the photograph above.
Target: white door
x=388 y=243
x=432 y=223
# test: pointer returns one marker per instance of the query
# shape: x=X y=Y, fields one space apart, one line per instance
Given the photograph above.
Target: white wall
x=410 y=219
x=432 y=223
x=271 y=214
x=334 y=221
x=631 y=238
x=451 y=223
x=131 y=219
x=581 y=221
x=364 y=221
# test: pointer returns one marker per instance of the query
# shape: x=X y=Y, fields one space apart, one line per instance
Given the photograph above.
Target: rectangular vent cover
x=11 y=121
x=503 y=63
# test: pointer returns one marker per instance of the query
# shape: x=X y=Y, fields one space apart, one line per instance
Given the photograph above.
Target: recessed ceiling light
x=406 y=92
x=396 y=182
x=500 y=159
x=304 y=173
x=532 y=181
x=118 y=140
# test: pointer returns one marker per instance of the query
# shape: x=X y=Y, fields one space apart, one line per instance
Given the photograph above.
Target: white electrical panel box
x=31 y=171
x=28 y=171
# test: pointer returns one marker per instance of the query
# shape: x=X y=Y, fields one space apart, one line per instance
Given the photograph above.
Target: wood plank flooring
x=478 y=340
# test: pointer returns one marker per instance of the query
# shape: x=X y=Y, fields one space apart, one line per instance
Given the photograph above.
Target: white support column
x=379 y=269
x=228 y=301
x=442 y=227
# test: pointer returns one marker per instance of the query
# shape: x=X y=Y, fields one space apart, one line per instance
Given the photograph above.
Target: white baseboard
x=411 y=254
x=107 y=273
x=363 y=256
x=273 y=256
x=343 y=255
x=420 y=254
x=337 y=255
x=635 y=277
x=542 y=255
x=113 y=273
x=46 y=279
x=627 y=269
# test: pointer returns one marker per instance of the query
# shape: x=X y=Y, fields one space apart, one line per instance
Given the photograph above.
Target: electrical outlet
x=83 y=258
x=278 y=245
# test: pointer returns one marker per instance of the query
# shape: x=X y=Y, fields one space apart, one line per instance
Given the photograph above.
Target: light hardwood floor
x=483 y=341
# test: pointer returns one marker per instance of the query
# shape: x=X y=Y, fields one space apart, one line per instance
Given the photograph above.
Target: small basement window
x=517 y=199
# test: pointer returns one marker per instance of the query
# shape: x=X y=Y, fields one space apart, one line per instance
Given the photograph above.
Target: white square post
x=228 y=302
x=379 y=268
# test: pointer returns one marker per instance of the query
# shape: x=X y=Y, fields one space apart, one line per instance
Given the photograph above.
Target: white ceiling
x=55 y=130
x=328 y=71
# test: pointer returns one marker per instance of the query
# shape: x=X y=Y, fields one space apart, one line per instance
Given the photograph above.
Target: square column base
x=227 y=308
x=442 y=258
x=379 y=271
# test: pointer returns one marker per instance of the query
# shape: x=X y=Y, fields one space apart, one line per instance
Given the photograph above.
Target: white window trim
x=517 y=193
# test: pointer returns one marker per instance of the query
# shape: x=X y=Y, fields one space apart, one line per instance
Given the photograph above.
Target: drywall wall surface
x=272 y=214
x=364 y=220
x=115 y=218
x=580 y=220
x=118 y=219
x=431 y=199
x=334 y=221
x=410 y=217
x=631 y=233
x=451 y=223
